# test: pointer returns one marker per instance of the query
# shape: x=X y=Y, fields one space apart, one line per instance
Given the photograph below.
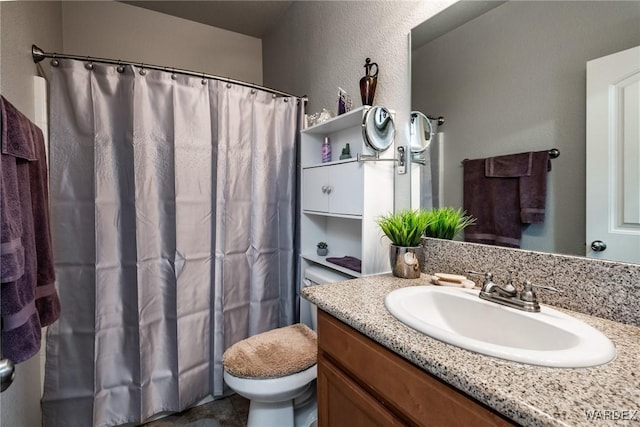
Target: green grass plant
x=405 y=227
x=446 y=223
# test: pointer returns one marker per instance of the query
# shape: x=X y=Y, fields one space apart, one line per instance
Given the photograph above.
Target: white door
x=613 y=156
x=346 y=182
x=315 y=183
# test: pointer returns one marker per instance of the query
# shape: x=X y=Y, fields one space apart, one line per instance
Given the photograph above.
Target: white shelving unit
x=342 y=199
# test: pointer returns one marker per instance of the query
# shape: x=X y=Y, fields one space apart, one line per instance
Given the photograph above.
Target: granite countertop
x=529 y=395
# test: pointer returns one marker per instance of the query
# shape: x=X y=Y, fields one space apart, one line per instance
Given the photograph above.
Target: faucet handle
x=488 y=277
x=528 y=293
x=545 y=287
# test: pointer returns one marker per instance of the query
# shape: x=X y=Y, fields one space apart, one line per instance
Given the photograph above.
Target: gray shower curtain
x=172 y=202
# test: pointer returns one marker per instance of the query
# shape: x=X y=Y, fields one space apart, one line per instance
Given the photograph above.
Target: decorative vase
x=406 y=262
x=368 y=83
x=322 y=251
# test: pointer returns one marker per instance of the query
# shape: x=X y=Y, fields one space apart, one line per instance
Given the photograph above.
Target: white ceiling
x=253 y=18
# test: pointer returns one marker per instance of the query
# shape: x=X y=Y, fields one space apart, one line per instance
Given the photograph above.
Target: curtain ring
x=120 y=68
x=228 y=85
x=286 y=99
x=173 y=74
x=253 y=91
x=204 y=81
x=54 y=62
x=143 y=72
x=273 y=96
x=89 y=66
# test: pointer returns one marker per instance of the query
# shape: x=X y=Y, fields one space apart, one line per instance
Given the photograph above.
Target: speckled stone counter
x=529 y=395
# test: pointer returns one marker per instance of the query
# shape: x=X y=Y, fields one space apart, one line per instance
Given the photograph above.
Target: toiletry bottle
x=326 y=151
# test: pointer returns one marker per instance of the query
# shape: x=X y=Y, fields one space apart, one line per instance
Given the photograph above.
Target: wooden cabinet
x=342 y=199
x=361 y=383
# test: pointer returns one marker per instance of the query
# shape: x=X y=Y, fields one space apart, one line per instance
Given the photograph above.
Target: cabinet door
x=342 y=402
x=313 y=196
x=346 y=182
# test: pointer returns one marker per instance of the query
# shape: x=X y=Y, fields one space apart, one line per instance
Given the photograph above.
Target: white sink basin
x=459 y=317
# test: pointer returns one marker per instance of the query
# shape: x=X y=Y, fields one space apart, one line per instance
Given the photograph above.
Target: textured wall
x=318 y=46
x=514 y=80
x=116 y=30
x=22 y=24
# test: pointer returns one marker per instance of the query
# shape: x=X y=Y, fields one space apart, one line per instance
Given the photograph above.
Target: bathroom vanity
x=362 y=383
x=374 y=370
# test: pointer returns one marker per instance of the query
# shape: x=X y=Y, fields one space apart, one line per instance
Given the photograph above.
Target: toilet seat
x=273 y=354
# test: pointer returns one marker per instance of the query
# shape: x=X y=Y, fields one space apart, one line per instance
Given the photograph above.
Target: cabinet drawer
x=411 y=393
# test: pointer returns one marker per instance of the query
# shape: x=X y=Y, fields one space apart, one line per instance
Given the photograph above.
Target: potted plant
x=446 y=223
x=405 y=228
x=322 y=249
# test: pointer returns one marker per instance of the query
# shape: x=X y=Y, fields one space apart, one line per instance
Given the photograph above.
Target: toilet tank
x=317 y=275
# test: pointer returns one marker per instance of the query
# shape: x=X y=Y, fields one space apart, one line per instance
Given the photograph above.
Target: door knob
x=598 y=246
x=7 y=374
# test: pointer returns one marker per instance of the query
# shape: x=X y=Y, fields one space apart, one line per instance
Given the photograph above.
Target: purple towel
x=494 y=203
x=29 y=299
x=503 y=193
x=350 y=262
x=533 y=189
x=510 y=166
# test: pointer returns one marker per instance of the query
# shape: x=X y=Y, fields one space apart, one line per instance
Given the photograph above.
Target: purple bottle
x=326 y=151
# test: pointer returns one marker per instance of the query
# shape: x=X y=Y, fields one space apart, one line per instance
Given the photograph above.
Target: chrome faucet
x=508 y=295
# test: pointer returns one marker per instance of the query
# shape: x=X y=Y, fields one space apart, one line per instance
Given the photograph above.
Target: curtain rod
x=39 y=55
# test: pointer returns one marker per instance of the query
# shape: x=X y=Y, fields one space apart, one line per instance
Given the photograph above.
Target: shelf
x=323 y=261
x=334 y=215
x=338 y=123
x=336 y=162
x=346 y=216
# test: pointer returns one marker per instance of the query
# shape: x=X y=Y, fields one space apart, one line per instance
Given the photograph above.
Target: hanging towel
x=29 y=299
x=511 y=166
x=503 y=193
x=533 y=189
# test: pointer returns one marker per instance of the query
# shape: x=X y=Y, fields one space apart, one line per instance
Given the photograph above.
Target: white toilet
x=282 y=393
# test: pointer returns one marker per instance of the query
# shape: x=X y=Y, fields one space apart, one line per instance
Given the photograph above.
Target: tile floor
x=231 y=411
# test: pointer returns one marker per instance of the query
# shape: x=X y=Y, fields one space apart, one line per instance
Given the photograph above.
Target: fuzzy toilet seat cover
x=273 y=354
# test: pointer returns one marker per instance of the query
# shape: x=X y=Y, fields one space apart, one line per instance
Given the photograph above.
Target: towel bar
x=554 y=153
